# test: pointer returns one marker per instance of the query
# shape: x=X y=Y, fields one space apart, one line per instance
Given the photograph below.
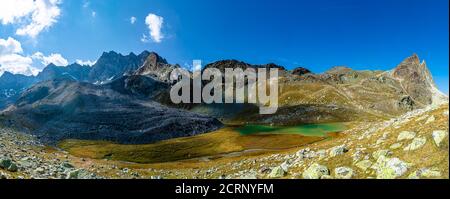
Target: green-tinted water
x=320 y=130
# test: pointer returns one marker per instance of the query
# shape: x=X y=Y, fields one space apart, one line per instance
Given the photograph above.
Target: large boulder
x=390 y=168
x=277 y=172
x=315 y=171
x=406 y=135
x=416 y=144
x=364 y=164
x=382 y=152
x=79 y=174
x=8 y=164
x=338 y=150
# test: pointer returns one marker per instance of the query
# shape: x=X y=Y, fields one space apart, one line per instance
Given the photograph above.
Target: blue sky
x=319 y=34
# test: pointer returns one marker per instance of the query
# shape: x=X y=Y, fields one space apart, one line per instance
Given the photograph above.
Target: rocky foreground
x=414 y=145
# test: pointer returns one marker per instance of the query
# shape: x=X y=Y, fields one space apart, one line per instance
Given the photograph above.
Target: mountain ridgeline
x=109 y=66
x=125 y=99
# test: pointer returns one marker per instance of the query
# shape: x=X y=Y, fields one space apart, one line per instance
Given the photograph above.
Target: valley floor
x=414 y=145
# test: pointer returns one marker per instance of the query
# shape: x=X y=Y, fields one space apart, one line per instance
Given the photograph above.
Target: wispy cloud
x=133 y=20
x=86 y=4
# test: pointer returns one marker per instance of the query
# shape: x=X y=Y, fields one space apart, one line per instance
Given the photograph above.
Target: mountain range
x=124 y=98
x=109 y=66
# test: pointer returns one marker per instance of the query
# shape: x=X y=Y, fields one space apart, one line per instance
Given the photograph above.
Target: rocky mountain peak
x=155 y=66
x=417 y=80
x=112 y=65
x=339 y=70
x=153 y=59
x=7 y=74
x=272 y=65
x=108 y=54
x=411 y=69
x=300 y=71
x=413 y=59
x=231 y=63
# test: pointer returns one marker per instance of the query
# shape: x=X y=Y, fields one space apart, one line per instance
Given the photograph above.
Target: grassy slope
x=223 y=141
x=429 y=156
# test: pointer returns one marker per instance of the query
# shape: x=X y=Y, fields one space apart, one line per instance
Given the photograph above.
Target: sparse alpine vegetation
x=114 y=120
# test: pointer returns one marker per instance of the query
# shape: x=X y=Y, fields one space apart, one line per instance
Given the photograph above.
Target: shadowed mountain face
x=66 y=109
x=110 y=66
x=11 y=86
x=74 y=71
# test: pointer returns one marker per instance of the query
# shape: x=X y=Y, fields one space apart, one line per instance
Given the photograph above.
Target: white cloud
x=31 y=16
x=85 y=63
x=144 y=38
x=154 y=23
x=53 y=58
x=11 y=59
x=10 y=46
x=17 y=64
x=94 y=14
x=133 y=20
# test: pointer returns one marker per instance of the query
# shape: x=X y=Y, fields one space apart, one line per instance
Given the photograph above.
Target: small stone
x=364 y=165
x=439 y=136
x=430 y=119
x=264 y=169
x=380 y=141
x=276 y=172
x=315 y=171
x=406 y=135
x=285 y=166
x=248 y=175
x=326 y=177
x=415 y=144
x=40 y=170
x=421 y=118
x=425 y=173
x=73 y=174
x=156 y=177
x=396 y=146
x=343 y=173
x=383 y=152
x=322 y=154
x=67 y=165
x=3 y=176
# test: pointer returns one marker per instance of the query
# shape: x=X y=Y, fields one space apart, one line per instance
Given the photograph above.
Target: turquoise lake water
x=320 y=130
